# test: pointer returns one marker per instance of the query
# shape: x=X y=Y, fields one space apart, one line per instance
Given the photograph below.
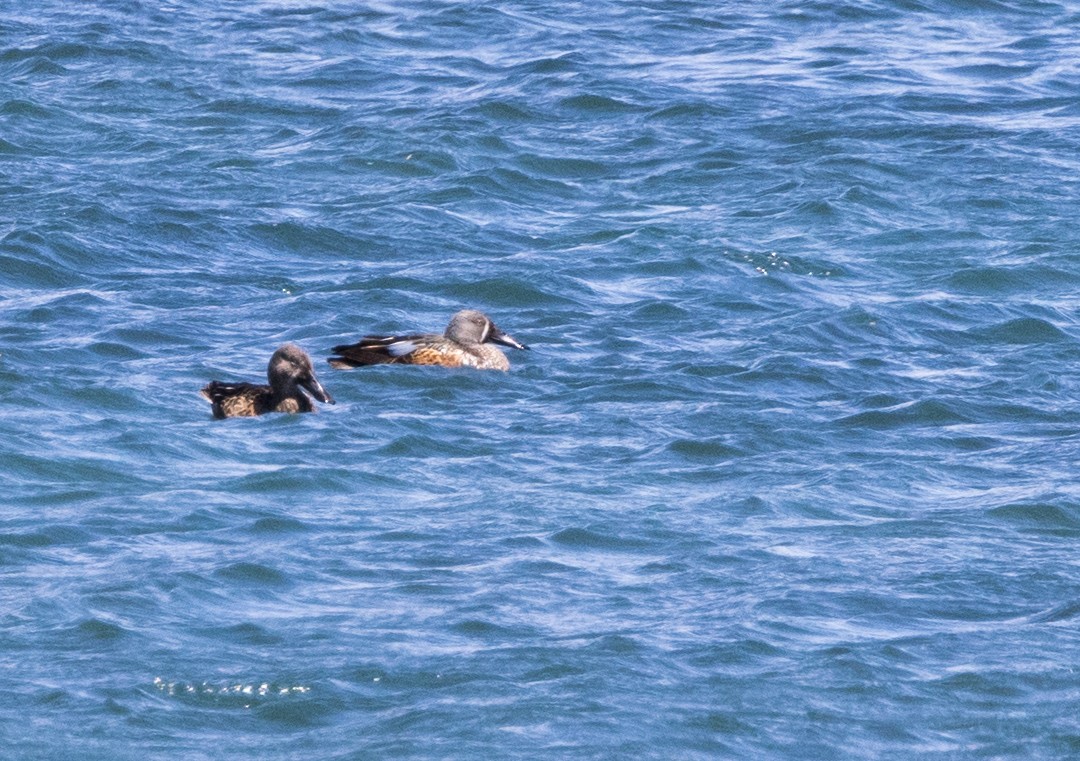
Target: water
x=787 y=474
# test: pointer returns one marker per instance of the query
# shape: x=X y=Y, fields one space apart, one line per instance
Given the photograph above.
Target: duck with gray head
x=465 y=343
x=289 y=371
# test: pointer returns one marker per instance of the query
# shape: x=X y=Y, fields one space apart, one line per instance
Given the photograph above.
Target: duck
x=466 y=342
x=289 y=371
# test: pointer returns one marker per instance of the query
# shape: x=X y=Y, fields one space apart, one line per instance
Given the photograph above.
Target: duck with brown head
x=289 y=372
x=465 y=343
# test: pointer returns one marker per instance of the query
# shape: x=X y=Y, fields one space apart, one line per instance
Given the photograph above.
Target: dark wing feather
x=236 y=399
x=374 y=350
x=375 y=343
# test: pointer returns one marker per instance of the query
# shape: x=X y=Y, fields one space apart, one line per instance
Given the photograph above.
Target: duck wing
x=237 y=399
x=378 y=350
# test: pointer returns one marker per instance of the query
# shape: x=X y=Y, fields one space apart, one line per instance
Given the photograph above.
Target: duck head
x=470 y=326
x=290 y=367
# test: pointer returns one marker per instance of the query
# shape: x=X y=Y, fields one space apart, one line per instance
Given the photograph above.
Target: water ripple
x=796 y=427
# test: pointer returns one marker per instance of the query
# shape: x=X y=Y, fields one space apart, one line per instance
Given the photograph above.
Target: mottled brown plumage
x=466 y=343
x=289 y=371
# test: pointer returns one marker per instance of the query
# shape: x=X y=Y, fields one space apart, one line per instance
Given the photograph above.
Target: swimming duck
x=289 y=370
x=466 y=343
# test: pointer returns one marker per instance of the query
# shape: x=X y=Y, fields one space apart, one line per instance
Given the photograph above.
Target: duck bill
x=498 y=337
x=315 y=388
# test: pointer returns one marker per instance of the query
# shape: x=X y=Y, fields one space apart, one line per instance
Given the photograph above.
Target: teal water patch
x=1045 y=517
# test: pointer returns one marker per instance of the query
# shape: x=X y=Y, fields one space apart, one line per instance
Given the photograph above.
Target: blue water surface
x=788 y=473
